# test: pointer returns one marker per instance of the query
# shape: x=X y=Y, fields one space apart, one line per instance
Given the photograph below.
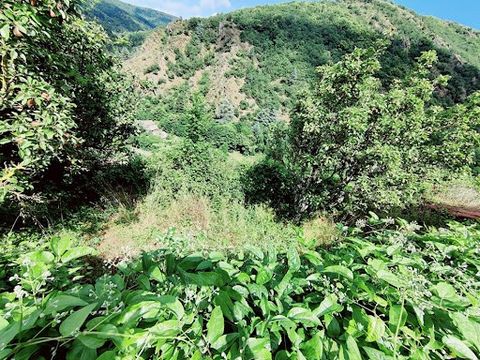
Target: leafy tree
x=353 y=146
x=63 y=106
x=467 y=115
x=198 y=120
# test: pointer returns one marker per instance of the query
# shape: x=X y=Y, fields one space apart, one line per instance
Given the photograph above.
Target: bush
x=154 y=68
x=54 y=65
x=353 y=147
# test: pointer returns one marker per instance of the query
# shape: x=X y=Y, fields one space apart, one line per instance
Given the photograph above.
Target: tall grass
x=196 y=203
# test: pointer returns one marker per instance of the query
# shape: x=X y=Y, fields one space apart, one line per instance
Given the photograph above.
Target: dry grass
x=459 y=195
x=320 y=232
x=197 y=225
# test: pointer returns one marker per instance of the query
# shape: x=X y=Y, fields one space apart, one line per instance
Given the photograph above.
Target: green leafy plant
x=154 y=68
x=394 y=294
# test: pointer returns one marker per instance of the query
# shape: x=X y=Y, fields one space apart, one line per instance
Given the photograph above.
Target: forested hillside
x=257 y=60
x=116 y=16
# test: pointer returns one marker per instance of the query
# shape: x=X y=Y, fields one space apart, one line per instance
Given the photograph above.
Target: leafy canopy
x=354 y=147
x=63 y=107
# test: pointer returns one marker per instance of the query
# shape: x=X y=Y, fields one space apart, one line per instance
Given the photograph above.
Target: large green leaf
x=303 y=316
x=166 y=329
x=107 y=355
x=448 y=296
x=313 y=348
x=340 y=270
x=459 y=348
x=60 y=244
x=294 y=261
x=376 y=329
x=75 y=320
x=470 y=329
x=92 y=341
x=76 y=253
x=61 y=302
x=390 y=278
x=328 y=306
x=352 y=349
x=264 y=275
x=374 y=354
x=224 y=342
x=8 y=333
x=259 y=349
x=397 y=317
x=215 y=325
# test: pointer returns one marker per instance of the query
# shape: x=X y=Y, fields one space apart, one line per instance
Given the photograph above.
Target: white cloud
x=186 y=8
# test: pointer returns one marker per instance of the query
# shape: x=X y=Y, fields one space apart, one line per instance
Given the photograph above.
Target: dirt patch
x=456 y=211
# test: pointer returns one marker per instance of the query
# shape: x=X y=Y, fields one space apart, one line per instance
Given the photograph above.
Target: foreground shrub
x=391 y=295
x=63 y=107
x=353 y=147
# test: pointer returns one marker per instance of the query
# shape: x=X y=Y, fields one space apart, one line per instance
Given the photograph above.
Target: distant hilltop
x=117 y=17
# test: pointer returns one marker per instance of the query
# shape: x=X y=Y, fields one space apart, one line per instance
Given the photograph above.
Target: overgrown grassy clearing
x=184 y=208
x=214 y=241
x=197 y=225
x=389 y=295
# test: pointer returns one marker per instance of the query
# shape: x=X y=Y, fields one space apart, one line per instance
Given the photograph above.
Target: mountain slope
x=255 y=61
x=116 y=16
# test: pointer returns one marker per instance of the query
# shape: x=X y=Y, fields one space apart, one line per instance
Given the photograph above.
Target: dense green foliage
x=64 y=107
x=175 y=110
x=391 y=295
x=117 y=17
x=353 y=147
x=157 y=252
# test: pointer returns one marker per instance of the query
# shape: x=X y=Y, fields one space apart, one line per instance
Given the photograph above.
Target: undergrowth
x=391 y=294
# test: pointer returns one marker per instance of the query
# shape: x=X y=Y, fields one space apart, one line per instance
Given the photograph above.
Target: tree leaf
x=75 y=320
x=303 y=316
x=8 y=333
x=5 y=31
x=313 y=348
x=329 y=305
x=294 y=261
x=166 y=329
x=397 y=317
x=352 y=349
x=259 y=348
x=61 y=302
x=459 y=347
x=215 y=325
x=376 y=328
x=448 y=296
x=340 y=270
x=390 y=278
x=91 y=341
x=263 y=276
x=470 y=329
x=224 y=342
x=107 y=355
x=60 y=244
x=76 y=253
x=374 y=354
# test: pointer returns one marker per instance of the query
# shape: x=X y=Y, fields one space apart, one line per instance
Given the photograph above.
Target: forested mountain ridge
x=255 y=60
x=116 y=16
